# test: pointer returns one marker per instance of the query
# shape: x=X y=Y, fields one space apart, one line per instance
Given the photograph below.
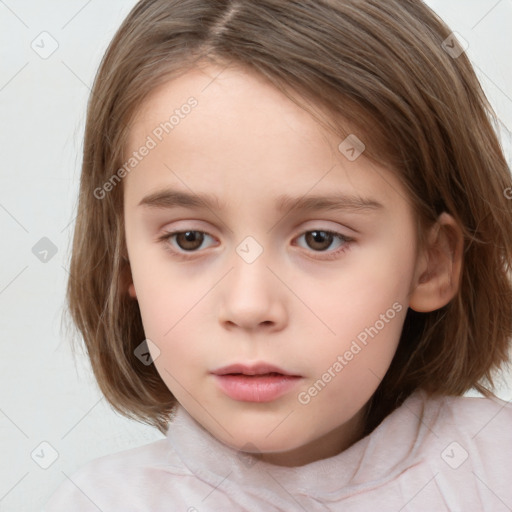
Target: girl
x=292 y=256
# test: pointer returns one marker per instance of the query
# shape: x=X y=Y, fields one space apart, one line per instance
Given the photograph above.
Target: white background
x=44 y=394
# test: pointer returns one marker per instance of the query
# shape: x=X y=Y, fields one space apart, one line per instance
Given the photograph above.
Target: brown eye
x=328 y=244
x=319 y=240
x=185 y=244
x=189 y=240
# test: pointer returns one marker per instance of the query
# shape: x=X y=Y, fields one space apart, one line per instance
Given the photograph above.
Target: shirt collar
x=371 y=461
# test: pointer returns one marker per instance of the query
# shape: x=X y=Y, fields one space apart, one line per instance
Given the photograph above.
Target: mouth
x=256 y=370
x=255 y=383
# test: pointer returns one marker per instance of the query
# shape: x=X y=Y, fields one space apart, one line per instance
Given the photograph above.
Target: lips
x=260 y=382
x=252 y=370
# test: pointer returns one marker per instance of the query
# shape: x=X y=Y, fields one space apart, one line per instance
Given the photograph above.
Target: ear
x=131 y=291
x=127 y=280
x=439 y=266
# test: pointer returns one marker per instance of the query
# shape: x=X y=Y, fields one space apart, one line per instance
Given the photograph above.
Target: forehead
x=228 y=129
x=226 y=96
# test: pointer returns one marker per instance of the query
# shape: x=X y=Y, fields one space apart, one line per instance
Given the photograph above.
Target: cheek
x=166 y=316
x=363 y=346
x=357 y=296
x=348 y=369
x=171 y=312
x=164 y=293
x=364 y=309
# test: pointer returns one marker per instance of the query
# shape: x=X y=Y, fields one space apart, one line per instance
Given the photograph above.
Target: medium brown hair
x=379 y=66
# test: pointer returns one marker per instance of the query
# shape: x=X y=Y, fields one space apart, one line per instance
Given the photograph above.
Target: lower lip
x=264 y=388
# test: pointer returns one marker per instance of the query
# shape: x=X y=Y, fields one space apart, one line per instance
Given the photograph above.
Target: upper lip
x=251 y=369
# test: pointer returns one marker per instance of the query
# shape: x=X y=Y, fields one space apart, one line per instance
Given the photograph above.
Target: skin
x=247 y=143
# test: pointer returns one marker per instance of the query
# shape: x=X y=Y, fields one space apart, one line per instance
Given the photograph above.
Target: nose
x=252 y=298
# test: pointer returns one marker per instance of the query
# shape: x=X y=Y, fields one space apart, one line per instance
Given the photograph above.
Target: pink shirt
x=451 y=453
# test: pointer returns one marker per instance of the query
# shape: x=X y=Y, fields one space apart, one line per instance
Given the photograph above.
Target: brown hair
x=380 y=66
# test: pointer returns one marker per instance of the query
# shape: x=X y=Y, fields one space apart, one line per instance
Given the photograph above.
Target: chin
x=263 y=439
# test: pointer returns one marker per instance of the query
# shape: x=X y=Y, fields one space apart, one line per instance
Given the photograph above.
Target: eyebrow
x=169 y=198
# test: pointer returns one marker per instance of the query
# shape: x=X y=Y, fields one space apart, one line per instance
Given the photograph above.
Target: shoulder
x=484 y=419
x=119 y=479
x=449 y=451
x=134 y=463
x=481 y=424
x=431 y=428
x=466 y=415
x=468 y=445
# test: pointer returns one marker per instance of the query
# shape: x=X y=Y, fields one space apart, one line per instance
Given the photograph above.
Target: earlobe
x=439 y=266
x=131 y=291
x=126 y=280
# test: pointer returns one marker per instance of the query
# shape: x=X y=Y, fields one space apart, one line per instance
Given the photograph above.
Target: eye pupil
x=188 y=240
x=319 y=237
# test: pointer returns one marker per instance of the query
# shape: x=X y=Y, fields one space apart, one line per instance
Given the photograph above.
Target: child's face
x=326 y=310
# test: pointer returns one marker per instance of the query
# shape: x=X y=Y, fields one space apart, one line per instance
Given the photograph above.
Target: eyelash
x=326 y=255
